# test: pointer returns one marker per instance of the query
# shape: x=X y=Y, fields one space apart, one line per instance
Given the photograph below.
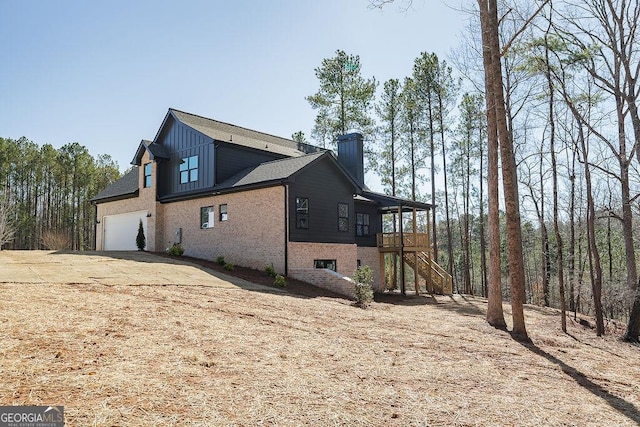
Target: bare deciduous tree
x=7 y=228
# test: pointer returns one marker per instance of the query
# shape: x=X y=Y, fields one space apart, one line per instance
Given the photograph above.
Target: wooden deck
x=409 y=242
x=415 y=250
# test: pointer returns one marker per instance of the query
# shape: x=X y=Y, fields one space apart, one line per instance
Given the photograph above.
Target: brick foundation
x=326 y=279
x=371 y=256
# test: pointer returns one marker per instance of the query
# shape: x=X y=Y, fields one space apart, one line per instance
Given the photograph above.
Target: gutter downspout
x=95 y=227
x=286 y=231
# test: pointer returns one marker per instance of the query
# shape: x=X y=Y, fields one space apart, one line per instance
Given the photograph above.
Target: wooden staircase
x=437 y=277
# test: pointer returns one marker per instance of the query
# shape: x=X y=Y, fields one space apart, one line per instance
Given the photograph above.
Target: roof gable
x=237 y=135
x=156 y=151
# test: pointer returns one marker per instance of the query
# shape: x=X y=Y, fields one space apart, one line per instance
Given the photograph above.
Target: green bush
x=220 y=260
x=228 y=266
x=271 y=272
x=176 y=250
x=279 y=281
x=363 y=277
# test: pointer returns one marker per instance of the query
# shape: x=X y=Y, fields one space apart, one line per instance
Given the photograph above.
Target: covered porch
x=404 y=247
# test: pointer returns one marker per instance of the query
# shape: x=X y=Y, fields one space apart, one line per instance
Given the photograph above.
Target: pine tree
x=344 y=99
x=141 y=241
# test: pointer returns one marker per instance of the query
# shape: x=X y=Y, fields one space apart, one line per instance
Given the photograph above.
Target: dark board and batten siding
x=325 y=186
x=231 y=159
x=375 y=223
x=182 y=141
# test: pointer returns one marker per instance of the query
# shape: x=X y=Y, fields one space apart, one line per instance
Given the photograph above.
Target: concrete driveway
x=112 y=268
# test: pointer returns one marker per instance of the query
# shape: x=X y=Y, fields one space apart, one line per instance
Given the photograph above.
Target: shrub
x=271 y=272
x=363 y=277
x=279 y=281
x=228 y=266
x=141 y=241
x=176 y=250
x=55 y=240
x=220 y=260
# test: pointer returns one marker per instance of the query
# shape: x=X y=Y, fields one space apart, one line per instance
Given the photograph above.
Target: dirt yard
x=138 y=339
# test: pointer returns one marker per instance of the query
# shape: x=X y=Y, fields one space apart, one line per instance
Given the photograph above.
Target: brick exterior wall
x=302 y=255
x=301 y=265
x=371 y=257
x=146 y=200
x=253 y=236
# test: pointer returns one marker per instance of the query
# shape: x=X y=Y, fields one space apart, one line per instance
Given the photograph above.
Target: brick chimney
x=351 y=155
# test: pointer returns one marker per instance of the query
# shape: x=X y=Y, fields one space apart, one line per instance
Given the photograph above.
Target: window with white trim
x=206 y=217
x=330 y=264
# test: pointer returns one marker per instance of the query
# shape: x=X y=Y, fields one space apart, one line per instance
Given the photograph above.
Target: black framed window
x=147 y=175
x=206 y=217
x=362 y=224
x=302 y=212
x=189 y=169
x=343 y=217
x=331 y=264
x=223 y=212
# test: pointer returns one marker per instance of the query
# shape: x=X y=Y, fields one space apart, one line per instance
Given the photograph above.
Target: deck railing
x=392 y=240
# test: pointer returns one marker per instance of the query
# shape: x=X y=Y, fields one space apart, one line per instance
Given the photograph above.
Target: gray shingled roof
x=156 y=151
x=233 y=134
x=270 y=171
x=127 y=186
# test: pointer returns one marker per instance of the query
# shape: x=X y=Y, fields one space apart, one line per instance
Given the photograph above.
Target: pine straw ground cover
x=117 y=352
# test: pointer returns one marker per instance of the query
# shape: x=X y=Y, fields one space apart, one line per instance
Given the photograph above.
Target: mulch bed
x=295 y=287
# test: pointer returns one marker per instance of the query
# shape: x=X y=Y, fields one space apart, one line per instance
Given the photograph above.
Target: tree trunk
x=483 y=241
x=633 y=328
x=554 y=171
x=572 y=235
x=509 y=181
x=594 y=254
x=495 y=315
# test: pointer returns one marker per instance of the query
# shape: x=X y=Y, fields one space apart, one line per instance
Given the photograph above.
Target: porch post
x=429 y=252
x=394 y=273
x=383 y=271
x=402 y=273
x=416 y=269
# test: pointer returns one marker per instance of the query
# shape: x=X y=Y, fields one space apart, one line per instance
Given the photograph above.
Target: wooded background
x=45 y=194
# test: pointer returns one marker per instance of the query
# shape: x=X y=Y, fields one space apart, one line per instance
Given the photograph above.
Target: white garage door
x=120 y=230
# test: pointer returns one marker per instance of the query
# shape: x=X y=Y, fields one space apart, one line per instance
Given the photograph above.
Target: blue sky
x=104 y=73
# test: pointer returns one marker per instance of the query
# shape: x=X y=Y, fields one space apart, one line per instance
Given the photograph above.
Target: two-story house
x=257 y=199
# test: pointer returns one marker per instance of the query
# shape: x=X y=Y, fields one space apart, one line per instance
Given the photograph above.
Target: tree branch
x=507 y=45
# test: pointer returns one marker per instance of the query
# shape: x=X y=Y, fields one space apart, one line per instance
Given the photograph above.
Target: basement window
x=206 y=217
x=189 y=169
x=330 y=264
